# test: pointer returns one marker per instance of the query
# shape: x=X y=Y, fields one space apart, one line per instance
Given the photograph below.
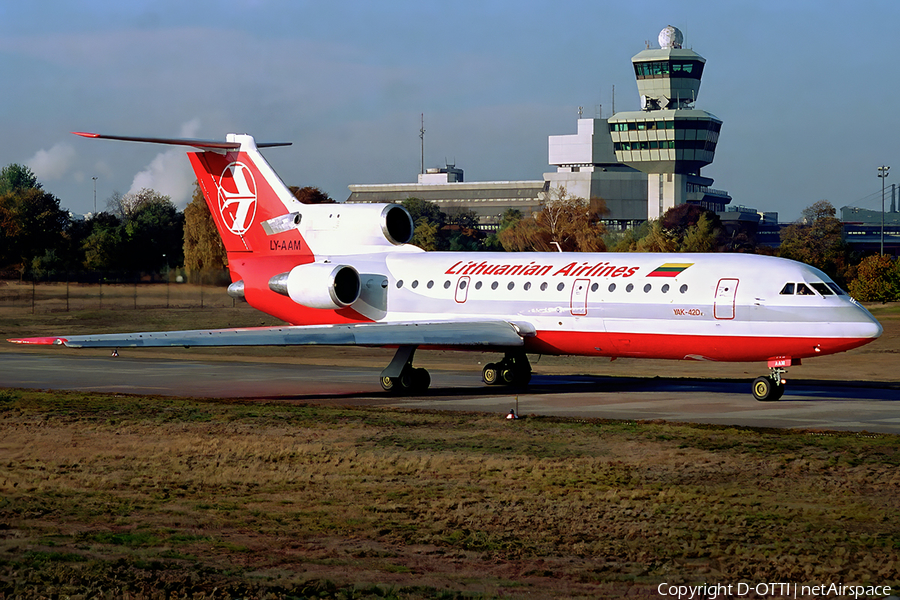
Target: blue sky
x=808 y=95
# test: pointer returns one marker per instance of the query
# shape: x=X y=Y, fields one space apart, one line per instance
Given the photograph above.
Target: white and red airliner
x=344 y=274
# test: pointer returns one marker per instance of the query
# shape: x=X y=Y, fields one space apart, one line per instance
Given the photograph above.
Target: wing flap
x=449 y=333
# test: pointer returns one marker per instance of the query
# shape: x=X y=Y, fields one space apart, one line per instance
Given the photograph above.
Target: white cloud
x=52 y=163
x=170 y=172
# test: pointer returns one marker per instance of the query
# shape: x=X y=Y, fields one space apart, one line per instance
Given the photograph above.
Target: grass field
x=148 y=497
x=106 y=496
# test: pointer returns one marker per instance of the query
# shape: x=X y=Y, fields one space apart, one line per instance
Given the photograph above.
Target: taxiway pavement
x=807 y=404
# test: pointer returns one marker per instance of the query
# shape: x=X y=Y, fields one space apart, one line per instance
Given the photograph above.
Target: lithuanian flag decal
x=670 y=270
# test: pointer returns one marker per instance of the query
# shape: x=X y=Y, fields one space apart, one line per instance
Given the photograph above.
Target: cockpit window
x=787 y=290
x=836 y=288
x=822 y=289
x=802 y=290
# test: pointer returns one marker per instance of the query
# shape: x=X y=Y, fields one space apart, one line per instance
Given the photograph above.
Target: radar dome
x=670 y=37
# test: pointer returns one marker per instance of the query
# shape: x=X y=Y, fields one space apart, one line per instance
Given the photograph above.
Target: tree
x=154 y=235
x=31 y=223
x=310 y=195
x=816 y=240
x=877 y=280
x=15 y=177
x=564 y=223
x=103 y=248
x=203 y=247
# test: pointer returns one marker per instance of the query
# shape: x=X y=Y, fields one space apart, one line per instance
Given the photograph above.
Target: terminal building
x=640 y=163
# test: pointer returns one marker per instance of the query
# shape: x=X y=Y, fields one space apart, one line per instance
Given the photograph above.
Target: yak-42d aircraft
x=344 y=274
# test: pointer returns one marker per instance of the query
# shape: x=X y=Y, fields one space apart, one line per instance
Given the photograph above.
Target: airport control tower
x=668 y=139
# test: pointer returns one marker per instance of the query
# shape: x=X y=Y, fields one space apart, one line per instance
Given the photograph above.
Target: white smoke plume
x=52 y=163
x=170 y=172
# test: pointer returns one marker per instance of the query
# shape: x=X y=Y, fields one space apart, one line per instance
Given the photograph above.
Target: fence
x=62 y=296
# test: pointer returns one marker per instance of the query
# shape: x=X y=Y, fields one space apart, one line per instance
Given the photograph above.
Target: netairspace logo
x=771 y=590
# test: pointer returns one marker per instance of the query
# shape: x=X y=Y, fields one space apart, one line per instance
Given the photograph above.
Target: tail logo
x=237 y=197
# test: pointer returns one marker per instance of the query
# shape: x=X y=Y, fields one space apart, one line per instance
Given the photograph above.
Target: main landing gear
x=400 y=377
x=514 y=369
x=770 y=388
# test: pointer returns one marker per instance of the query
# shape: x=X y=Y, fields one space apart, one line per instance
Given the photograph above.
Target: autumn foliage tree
x=816 y=240
x=203 y=248
x=877 y=280
x=567 y=223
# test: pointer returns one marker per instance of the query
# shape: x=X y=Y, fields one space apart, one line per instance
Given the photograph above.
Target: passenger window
x=683 y=289
x=802 y=290
x=647 y=288
x=544 y=287
x=430 y=284
x=511 y=285
x=399 y=283
x=494 y=285
x=447 y=285
x=594 y=287
x=612 y=287
x=665 y=288
x=560 y=287
x=629 y=287
x=477 y=285
x=415 y=283
x=527 y=285
x=787 y=290
x=822 y=289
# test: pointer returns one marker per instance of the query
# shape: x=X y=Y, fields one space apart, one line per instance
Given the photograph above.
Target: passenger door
x=726 y=292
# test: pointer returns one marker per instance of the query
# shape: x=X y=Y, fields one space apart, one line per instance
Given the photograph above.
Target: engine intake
x=319 y=285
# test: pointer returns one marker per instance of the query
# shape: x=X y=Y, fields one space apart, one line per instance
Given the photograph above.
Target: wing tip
x=86 y=134
x=41 y=341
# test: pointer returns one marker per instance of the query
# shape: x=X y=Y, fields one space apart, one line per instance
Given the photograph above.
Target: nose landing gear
x=771 y=387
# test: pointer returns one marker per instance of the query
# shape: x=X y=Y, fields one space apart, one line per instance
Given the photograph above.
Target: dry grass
x=102 y=493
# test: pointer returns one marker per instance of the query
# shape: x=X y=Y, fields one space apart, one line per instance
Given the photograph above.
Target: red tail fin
x=252 y=207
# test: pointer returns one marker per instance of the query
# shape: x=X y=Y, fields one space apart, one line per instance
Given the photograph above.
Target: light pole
x=95 y=195
x=883 y=172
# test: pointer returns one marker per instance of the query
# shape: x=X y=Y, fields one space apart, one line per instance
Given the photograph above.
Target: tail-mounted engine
x=354 y=228
x=319 y=285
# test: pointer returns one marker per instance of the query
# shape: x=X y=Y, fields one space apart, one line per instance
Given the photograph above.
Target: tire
x=766 y=390
x=490 y=374
x=388 y=384
x=421 y=380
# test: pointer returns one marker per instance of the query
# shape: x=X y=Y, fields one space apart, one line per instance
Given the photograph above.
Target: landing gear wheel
x=512 y=370
x=767 y=389
x=490 y=374
x=411 y=381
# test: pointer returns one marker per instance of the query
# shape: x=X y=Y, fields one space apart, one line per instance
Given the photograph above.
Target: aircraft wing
x=441 y=333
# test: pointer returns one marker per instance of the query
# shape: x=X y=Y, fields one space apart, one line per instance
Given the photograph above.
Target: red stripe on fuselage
x=679 y=347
